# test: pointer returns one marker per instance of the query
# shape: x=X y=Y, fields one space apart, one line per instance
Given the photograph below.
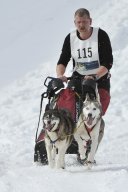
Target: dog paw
x=82 y=161
x=60 y=167
x=90 y=164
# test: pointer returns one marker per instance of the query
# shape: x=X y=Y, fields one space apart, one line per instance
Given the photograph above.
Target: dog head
x=91 y=112
x=51 y=120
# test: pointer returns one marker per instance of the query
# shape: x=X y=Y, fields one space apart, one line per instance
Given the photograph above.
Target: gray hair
x=82 y=12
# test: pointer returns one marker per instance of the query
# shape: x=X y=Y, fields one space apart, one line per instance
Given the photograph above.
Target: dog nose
x=49 y=121
x=90 y=115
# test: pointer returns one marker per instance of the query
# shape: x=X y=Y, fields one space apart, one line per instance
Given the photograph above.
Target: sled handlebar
x=46 y=82
x=52 y=78
x=82 y=77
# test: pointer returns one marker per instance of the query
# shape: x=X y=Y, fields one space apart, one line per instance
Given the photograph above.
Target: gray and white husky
x=59 y=128
x=89 y=130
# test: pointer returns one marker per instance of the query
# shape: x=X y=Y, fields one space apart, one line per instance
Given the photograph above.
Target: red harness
x=89 y=129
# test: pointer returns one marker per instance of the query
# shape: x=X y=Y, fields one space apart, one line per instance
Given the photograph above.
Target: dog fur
x=59 y=128
x=88 y=129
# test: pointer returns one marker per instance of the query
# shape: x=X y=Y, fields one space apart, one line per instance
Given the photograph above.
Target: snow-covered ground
x=20 y=100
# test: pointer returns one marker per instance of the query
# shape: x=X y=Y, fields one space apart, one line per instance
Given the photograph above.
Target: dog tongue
x=49 y=127
x=89 y=120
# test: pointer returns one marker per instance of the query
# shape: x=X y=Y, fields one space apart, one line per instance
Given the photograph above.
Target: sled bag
x=67 y=100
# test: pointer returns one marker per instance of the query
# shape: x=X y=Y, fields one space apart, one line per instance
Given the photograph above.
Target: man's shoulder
x=71 y=34
x=67 y=38
x=102 y=32
x=73 y=31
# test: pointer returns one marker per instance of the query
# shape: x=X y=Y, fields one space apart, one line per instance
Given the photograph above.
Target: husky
x=89 y=130
x=59 y=129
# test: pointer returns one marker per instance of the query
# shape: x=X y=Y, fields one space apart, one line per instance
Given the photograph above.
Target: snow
x=25 y=25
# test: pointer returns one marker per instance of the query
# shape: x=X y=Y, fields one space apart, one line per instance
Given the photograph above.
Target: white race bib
x=85 y=53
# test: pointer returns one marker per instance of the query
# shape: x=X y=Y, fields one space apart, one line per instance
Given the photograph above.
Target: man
x=91 y=52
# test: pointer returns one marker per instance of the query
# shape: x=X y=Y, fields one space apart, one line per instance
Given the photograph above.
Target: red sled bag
x=68 y=100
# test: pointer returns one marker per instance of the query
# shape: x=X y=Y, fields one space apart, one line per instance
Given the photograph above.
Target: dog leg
x=93 y=149
x=82 y=149
x=60 y=160
x=90 y=159
x=94 y=137
x=82 y=144
x=60 y=163
x=53 y=155
x=101 y=132
x=49 y=149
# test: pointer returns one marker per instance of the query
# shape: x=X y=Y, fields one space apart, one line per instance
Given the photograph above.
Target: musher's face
x=82 y=23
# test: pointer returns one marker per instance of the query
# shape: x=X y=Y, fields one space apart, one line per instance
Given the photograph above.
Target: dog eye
x=94 y=109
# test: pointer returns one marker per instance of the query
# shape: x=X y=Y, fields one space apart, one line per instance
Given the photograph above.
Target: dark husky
x=59 y=129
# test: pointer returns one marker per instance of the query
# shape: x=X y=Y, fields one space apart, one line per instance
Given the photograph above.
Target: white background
x=31 y=38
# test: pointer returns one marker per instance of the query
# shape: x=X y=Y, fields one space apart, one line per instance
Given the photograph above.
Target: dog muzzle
x=49 y=126
x=89 y=120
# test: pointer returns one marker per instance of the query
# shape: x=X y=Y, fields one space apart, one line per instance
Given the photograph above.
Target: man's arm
x=60 y=70
x=105 y=50
x=64 y=59
x=101 y=72
x=105 y=54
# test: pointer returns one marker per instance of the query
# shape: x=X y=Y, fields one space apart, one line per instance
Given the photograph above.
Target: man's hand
x=94 y=77
x=89 y=77
x=60 y=70
x=63 y=78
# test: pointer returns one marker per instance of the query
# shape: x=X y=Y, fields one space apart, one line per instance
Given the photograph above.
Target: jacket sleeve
x=105 y=49
x=65 y=55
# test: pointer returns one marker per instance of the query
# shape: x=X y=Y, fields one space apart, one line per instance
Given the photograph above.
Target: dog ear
x=87 y=98
x=97 y=95
x=98 y=98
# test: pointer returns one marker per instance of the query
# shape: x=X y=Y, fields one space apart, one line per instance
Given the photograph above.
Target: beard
x=83 y=29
